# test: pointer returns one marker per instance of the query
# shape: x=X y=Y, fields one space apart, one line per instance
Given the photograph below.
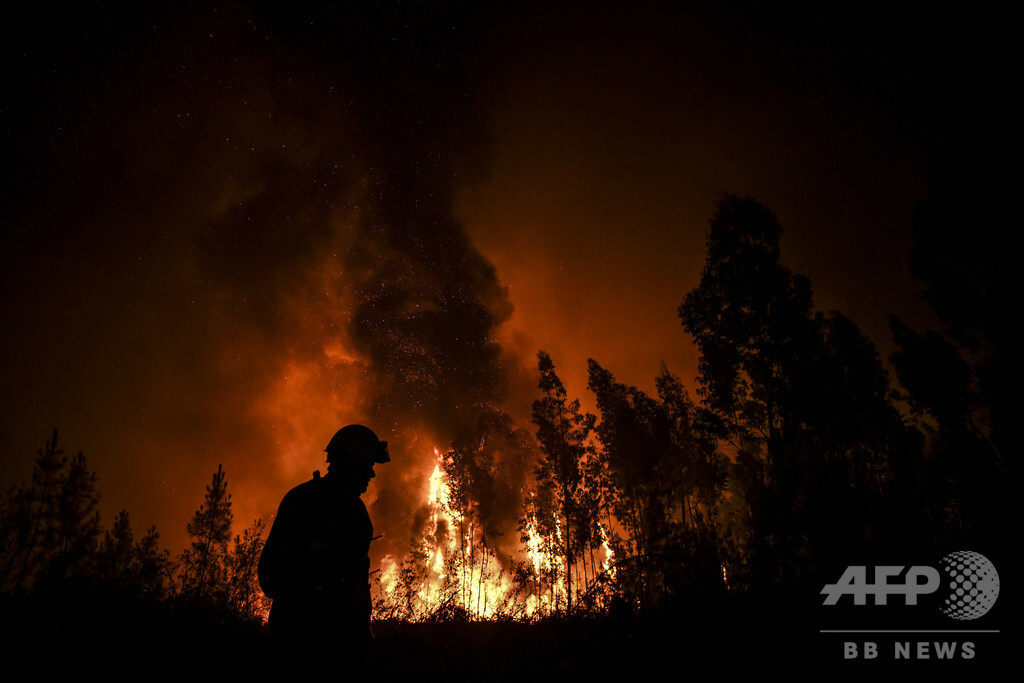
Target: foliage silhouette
x=958 y=382
x=50 y=527
x=799 y=397
x=203 y=567
x=566 y=507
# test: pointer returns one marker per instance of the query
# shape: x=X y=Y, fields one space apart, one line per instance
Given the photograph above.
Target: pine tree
x=116 y=557
x=78 y=524
x=153 y=571
x=30 y=520
x=51 y=526
x=204 y=566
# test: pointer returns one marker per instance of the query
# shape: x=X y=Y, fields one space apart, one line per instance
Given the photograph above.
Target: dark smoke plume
x=247 y=212
x=419 y=305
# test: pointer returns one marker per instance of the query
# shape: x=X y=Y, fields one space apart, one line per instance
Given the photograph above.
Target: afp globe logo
x=973 y=585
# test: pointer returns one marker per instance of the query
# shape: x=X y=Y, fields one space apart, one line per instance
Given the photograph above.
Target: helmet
x=357 y=441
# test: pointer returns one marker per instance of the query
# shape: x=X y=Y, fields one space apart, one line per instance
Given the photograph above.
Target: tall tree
x=117 y=553
x=752 y=320
x=563 y=431
x=959 y=382
x=799 y=396
x=663 y=478
x=78 y=525
x=153 y=571
x=30 y=520
x=116 y=557
x=634 y=434
x=51 y=527
x=138 y=568
x=695 y=476
x=204 y=570
x=698 y=471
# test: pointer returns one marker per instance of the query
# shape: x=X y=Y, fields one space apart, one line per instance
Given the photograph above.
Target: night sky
x=228 y=229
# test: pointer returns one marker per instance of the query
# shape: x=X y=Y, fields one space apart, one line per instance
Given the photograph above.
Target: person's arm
x=276 y=569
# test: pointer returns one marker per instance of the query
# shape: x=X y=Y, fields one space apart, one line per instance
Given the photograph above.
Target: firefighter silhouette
x=315 y=564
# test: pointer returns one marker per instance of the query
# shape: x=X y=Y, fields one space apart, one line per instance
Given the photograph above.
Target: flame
x=545 y=564
x=451 y=572
x=607 y=564
x=461 y=571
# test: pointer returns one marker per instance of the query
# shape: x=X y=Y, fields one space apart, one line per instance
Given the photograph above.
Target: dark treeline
x=52 y=537
x=801 y=455
x=72 y=592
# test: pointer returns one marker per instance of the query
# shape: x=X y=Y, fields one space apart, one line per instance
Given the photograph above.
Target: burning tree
x=564 y=512
x=454 y=570
x=634 y=438
x=451 y=571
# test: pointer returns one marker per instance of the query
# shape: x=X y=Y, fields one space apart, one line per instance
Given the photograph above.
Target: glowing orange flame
x=451 y=572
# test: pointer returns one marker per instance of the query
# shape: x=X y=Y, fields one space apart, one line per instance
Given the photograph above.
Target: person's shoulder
x=304 y=491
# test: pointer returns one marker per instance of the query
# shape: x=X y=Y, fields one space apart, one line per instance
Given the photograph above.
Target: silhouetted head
x=351 y=455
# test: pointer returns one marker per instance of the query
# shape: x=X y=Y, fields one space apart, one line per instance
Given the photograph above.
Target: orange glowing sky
x=196 y=200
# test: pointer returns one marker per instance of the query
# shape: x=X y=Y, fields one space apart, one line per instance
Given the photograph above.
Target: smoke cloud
x=259 y=203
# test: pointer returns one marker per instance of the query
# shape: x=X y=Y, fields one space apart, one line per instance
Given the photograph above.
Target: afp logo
x=969 y=581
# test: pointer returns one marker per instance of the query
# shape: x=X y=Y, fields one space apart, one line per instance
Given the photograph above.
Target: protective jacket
x=315 y=564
